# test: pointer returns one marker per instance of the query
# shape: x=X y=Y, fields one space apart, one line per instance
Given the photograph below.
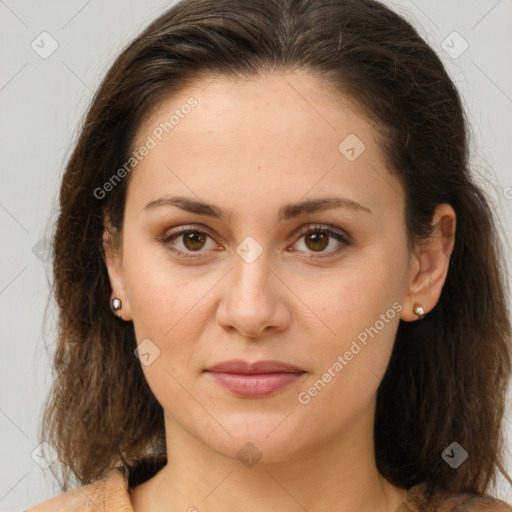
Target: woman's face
x=249 y=283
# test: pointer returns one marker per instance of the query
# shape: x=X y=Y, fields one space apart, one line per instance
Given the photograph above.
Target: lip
x=255 y=380
x=243 y=367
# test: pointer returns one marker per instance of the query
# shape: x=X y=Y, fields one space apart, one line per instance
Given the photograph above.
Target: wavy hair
x=448 y=374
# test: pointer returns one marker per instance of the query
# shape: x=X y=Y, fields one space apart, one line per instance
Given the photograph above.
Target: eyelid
x=180 y=230
x=340 y=235
x=325 y=228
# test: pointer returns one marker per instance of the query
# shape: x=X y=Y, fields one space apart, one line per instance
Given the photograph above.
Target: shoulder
x=419 y=500
x=109 y=493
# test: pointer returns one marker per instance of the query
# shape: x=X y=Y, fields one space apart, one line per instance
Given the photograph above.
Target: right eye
x=193 y=240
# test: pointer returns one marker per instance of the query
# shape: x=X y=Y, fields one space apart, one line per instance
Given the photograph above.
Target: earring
x=418 y=310
x=116 y=304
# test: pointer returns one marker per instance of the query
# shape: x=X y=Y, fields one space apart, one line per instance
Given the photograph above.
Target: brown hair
x=448 y=374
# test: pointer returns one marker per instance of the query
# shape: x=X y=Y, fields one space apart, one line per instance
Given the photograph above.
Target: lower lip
x=256 y=385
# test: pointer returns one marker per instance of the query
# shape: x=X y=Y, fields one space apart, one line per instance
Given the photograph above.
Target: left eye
x=317 y=238
x=192 y=239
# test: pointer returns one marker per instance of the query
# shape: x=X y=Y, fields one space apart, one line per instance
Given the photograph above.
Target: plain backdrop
x=42 y=100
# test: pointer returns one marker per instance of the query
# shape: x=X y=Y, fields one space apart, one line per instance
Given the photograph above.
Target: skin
x=251 y=146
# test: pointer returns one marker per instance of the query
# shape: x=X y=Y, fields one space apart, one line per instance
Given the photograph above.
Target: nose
x=254 y=299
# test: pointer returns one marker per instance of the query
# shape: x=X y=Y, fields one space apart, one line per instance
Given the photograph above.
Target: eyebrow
x=287 y=211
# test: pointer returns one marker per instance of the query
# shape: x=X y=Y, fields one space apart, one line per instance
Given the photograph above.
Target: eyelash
x=317 y=228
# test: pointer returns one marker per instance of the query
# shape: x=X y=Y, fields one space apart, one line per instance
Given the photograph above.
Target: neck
x=337 y=474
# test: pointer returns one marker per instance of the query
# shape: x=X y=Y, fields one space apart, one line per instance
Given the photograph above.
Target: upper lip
x=244 y=367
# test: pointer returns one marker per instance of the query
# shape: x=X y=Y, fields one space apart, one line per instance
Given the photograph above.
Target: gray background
x=42 y=102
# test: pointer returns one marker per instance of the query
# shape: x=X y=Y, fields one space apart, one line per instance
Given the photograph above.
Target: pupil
x=318 y=238
x=194 y=238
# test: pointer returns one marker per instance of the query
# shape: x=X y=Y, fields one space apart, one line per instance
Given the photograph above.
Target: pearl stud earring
x=418 y=310
x=116 y=304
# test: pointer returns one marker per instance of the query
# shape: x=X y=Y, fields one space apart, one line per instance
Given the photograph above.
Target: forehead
x=284 y=131
x=289 y=105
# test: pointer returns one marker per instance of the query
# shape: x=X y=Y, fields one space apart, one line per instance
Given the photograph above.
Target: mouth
x=255 y=380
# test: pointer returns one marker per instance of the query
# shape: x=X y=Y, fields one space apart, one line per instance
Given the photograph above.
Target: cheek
x=161 y=310
x=349 y=365
x=157 y=301
x=355 y=296
x=158 y=297
x=360 y=313
x=170 y=306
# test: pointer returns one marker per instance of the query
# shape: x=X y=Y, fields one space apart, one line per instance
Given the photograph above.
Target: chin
x=259 y=440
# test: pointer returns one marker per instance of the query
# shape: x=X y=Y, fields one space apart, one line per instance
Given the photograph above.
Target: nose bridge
x=251 y=301
x=251 y=273
x=253 y=253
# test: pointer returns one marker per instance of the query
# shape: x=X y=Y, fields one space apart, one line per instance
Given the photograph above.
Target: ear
x=430 y=264
x=112 y=246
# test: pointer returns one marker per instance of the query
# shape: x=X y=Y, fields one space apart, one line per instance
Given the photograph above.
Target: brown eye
x=318 y=238
x=194 y=240
x=316 y=241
